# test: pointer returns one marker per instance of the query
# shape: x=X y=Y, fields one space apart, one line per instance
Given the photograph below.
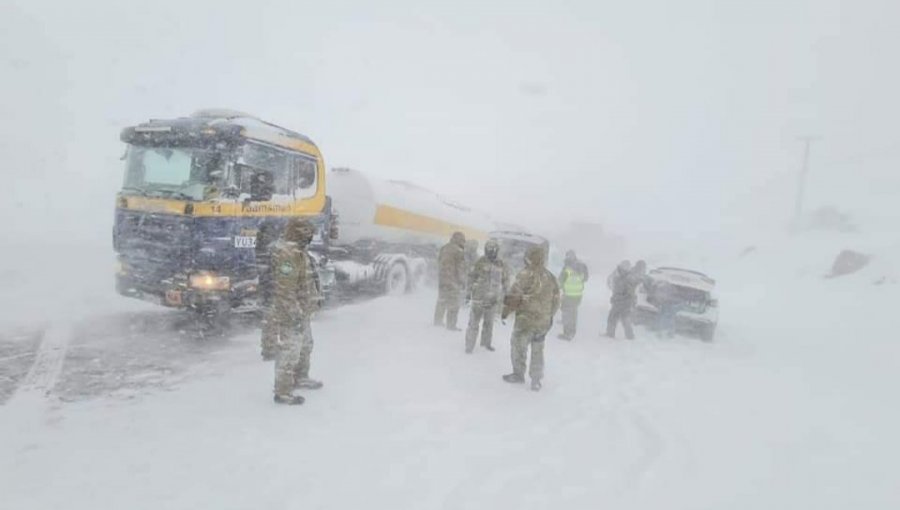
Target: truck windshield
x=180 y=172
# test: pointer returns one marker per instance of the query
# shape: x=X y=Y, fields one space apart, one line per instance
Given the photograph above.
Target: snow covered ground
x=116 y=404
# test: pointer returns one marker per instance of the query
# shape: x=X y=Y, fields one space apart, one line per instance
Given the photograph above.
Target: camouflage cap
x=535 y=256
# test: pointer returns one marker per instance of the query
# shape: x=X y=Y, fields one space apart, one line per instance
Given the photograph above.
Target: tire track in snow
x=27 y=409
x=638 y=363
x=654 y=445
x=625 y=411
x=45 y=370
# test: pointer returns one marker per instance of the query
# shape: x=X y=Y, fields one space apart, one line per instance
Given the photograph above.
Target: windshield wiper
x=170 y=193
x=183 y=196
x=135 y=190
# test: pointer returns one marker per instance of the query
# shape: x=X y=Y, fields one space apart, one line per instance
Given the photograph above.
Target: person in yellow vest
x=571 y=280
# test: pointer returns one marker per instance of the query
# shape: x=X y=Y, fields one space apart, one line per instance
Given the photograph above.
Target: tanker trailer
x=389 y=232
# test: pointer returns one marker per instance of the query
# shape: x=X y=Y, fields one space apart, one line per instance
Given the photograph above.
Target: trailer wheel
x=397 y=279
x=417 y=279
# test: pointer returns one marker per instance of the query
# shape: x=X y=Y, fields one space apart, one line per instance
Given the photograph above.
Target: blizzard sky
x=647 y=115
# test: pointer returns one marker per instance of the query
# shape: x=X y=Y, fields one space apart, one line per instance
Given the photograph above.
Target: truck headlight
x=207 y=280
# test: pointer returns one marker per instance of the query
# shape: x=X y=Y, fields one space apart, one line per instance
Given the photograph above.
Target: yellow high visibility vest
x=574 y=284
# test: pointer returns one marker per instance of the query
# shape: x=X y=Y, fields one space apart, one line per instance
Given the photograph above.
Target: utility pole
x=804 y=170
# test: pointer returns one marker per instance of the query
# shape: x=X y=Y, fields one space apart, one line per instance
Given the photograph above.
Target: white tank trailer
x=389 y=232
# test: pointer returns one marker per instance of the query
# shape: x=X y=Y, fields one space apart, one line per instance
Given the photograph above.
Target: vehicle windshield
x=181 y=172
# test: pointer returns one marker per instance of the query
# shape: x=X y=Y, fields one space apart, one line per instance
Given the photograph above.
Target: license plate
x=173 y=297
x=245 y=241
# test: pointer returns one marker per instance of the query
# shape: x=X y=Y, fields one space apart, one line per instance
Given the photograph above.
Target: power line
x=804 y=171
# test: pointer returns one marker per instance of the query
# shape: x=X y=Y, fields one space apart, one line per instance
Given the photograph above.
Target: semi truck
x=197 y=189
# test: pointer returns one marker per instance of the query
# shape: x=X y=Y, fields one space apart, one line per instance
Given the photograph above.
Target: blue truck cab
x=196 y=192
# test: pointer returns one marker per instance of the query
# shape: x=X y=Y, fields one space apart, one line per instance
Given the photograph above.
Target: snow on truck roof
x=684 y=277
x=246 y=120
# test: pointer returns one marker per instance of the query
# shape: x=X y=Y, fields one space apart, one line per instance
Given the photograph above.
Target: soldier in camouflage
x=265 y=237
x=534 y=297
x=451 y=281
x=623 y=283
x=488 y=283
x=293 y=302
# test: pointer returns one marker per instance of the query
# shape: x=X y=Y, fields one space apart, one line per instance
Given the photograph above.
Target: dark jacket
x=624 y=286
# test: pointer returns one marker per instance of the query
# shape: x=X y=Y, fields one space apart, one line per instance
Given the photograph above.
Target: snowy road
x=132 y=409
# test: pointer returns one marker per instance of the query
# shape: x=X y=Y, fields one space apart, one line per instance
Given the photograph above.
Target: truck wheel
x=418 y=278
x=214 y=319
x=397 y=279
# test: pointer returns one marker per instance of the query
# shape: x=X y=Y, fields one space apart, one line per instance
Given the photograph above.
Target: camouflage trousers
x=569 y=309
x=295 y=345
x=480 y=312
x=521 y=341
x=448 y=303
x=620 y=312
x=269 y=337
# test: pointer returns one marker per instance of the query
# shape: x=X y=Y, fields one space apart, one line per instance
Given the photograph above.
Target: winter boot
x=489 y=347
x=514 y=378
x=289 y=399
x=535 y=385
x=308 y=384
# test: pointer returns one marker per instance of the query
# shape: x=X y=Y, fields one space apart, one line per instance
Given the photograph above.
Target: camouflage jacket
x=293 y=295
x=534 y=297
x=452 y=267
x=488 y=281
x=263 y=254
